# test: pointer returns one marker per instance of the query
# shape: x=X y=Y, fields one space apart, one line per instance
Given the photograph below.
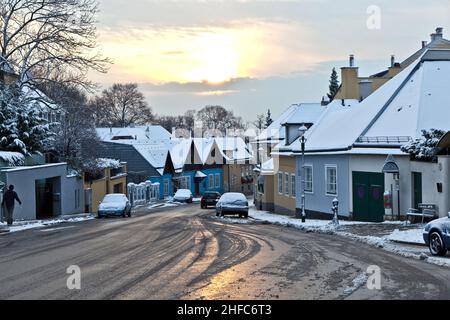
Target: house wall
x=375 y=163
x=432 y=174
x=206 y=186
x=233 y=174
x=24 y=181
x=102 y=187
x=265 y=201
x=284 y=203
x=160 y=180
x=318 y=204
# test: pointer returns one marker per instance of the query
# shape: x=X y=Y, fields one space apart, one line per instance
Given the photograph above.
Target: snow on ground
x=408 y=236
x=358 y=282
x=163 y=205
x=35 y=224
x=231 y=220
x=408 y=243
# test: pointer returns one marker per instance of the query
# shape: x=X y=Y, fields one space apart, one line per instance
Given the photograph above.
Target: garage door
x=368 y=190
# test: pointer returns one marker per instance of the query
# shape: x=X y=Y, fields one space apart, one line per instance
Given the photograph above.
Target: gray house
x=46 y=191
x=350 y=146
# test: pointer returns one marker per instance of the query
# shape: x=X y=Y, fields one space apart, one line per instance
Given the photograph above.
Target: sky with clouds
x=251 y=55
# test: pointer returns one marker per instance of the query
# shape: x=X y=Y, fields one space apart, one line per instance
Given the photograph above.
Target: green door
x=368 y=190
x=417 y=185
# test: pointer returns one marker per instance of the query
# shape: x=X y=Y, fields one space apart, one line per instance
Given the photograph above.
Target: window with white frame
x=280 y=183
x=211 y=181
x=286 y=184
x=331 y=180
x=217 y=180
x=293 y=186
x=308 y=179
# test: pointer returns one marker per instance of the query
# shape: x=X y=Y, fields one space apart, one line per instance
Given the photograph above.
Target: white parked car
x=232 y=204
x=114 y=205
x=183 y=195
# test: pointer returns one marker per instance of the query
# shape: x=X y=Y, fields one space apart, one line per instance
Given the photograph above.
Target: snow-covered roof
x=305 y=113
x=105 y=163
x=155 y=154
x=204 y=147
x=415 y=99
x=180 y=151
x=200 y=174
x=267 y=167
x=148 y=134
x=276 y=131
x=12 y=158
x=234 y=148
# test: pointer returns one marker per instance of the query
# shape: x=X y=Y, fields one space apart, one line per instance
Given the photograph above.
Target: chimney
x=424 y=44
x=392 y=61
x=438 y=35
x=352 y=60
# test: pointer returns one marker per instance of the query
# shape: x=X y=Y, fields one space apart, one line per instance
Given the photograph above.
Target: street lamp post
x=302 y=130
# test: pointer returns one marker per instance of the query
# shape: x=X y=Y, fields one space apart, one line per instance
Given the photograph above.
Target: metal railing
x=385 y=140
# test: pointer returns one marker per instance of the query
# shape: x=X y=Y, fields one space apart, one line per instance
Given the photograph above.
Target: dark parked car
x=437 y=236
x=114 y=205
x=209 y=199
x=232 y=204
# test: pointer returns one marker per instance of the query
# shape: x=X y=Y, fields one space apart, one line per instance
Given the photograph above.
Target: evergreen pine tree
x=334 y=84
x=269 y=120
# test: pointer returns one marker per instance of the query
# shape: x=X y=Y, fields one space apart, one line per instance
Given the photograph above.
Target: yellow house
x=112 y=179
x=354 y=86
x=285 y=185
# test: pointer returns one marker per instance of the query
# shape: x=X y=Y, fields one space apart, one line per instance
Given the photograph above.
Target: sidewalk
x=395 y=237
x=34 y=224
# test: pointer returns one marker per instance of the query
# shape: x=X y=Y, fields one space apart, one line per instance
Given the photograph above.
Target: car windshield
x=112 y=198
x=233 y=197
x=183 y=193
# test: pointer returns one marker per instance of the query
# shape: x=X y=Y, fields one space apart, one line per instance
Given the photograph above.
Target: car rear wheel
x=437 y=246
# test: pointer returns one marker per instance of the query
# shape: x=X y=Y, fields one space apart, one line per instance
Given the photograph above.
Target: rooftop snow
x=305 y=113
x=276 y=131
x=180 y=151
x=149 y=134
x=12 y=158
x=234 y=148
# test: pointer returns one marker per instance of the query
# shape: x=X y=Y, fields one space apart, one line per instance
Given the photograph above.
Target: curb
x=410 y=243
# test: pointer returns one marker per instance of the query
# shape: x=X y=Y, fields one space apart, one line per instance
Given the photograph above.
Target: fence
x=143 y=193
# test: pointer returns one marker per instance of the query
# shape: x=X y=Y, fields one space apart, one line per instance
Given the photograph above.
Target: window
x=331 y=180
x=185 y=182
x=211 y=181
x=293 y=186
x=286 y=184
x=280 y=183
x=308 y=179
x=217 y=180
x=166 y=187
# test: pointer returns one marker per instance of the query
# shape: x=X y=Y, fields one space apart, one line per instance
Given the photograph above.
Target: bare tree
x=219 y=118
x=121 y=106
x=76 y=140
x=41 y=39
x=260 y=121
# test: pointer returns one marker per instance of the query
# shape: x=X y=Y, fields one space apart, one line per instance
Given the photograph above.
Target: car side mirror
x=448 y=215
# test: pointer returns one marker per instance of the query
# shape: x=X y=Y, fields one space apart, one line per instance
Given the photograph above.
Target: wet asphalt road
x=185 y=253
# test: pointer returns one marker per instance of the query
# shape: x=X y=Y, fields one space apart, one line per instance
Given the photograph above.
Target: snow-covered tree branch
x=424 y=148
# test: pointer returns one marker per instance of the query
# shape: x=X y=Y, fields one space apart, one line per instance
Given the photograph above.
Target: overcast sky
x=250 y=55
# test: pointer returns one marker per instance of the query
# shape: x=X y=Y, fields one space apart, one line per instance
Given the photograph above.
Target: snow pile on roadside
x=408 y=236
x=231 y=220
x=163 y=205
x=358 y=282
x=26 y=225
x=325 y=226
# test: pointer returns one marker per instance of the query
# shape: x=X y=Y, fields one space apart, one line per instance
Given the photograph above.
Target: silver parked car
x=114 y=205
x=183 y=195
x=232 y=204
x=437 y=236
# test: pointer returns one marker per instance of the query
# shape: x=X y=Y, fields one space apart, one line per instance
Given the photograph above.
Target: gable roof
x=234 y=149
x=276 y=131
x=417 y=98
x=305 y=113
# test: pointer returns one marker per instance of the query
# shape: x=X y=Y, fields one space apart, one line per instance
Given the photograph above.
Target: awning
x=200 y=174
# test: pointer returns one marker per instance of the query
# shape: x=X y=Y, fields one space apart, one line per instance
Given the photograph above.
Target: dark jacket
x=9 y=198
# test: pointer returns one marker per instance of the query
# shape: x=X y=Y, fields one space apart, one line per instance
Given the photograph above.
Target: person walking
x=8 y=203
